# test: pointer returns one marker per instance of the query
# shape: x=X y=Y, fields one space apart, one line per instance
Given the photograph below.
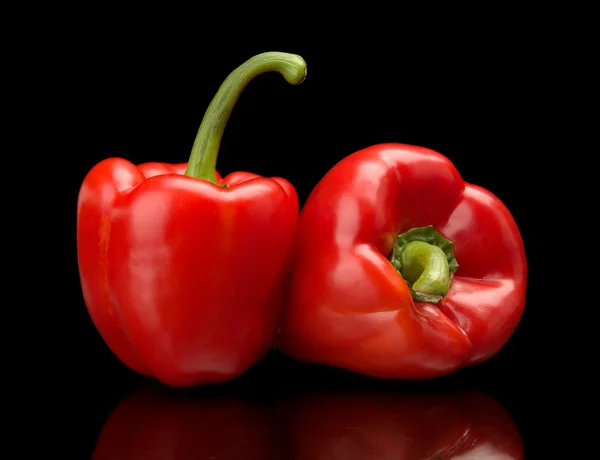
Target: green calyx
x=425 y=259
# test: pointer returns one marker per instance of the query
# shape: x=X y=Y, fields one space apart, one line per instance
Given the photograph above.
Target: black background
x=470 y=94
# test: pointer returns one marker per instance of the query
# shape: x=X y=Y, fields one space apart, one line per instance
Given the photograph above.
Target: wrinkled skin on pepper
x=182 y=278
x=348 y=306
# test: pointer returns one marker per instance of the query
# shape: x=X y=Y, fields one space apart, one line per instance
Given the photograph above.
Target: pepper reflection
x=152 y=424
x=353 y=425
x=363 y=426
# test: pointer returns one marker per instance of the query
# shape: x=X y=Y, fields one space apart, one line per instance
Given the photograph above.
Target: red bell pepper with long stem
x=182 y=271
x=401 y=269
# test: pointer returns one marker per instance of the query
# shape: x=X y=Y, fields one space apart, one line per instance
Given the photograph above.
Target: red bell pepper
x=401 y=269
x=358 y=425
x=182 y=271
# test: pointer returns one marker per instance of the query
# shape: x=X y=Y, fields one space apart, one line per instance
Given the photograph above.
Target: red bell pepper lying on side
x=183 y=272
x=401 y=269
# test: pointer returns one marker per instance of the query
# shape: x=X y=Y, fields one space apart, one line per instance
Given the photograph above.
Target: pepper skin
x=183 y=272
x=401 y=269
x=355 y=425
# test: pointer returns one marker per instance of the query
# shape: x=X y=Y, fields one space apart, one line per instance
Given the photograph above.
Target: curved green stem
x=425 y=259
x=203 y=159
x=426 y=267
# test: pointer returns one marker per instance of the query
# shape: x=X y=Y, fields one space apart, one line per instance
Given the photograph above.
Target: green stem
x=425 y=259
x=425 y=266
x=203 y=159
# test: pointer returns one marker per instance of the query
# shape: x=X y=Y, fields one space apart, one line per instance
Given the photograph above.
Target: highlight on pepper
x=163 y=250
x=401 y=269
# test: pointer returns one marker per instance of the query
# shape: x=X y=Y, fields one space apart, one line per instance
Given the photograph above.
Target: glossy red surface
x=184 y=279
x=346 y=304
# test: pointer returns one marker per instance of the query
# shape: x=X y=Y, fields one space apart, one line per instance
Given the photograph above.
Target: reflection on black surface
x=357 y=426
x=154 y=423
